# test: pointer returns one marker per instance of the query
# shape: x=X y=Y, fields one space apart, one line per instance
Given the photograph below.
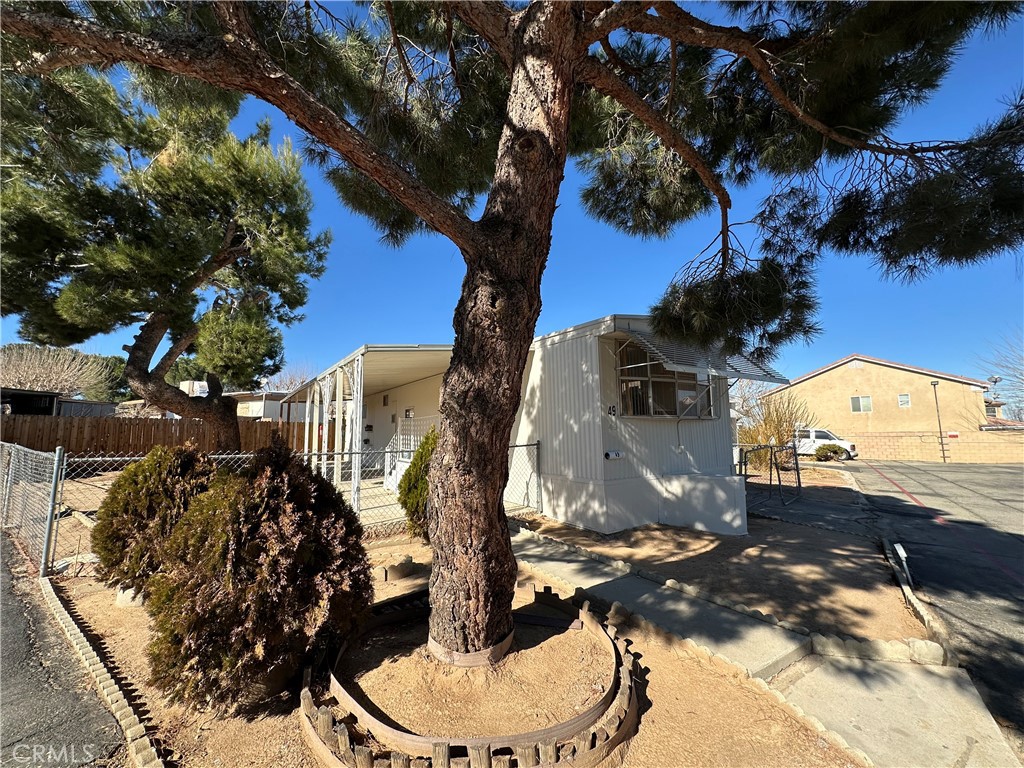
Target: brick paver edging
x=140 y=748
x=927 y=652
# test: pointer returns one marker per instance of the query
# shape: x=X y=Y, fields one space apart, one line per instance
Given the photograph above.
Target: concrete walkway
x=899 y=714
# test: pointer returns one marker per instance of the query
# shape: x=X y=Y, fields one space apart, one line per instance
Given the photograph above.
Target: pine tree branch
x=598 y=76
x=44 y=63
x=492 y=21
x=236 y=62
x=176 y=350
x=616 y=60
x=611 y=18
x=397 y=43
x=691 y=30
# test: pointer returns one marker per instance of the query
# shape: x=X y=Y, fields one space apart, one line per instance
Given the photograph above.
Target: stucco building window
x=861 y=404
x=903 y=400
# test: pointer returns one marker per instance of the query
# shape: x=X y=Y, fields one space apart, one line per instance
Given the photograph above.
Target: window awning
x=686 y=359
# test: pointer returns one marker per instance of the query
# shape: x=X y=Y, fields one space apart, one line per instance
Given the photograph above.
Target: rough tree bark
x=213 y=408
x=473 y=579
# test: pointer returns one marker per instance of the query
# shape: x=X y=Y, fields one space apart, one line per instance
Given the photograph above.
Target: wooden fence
x=112 y=436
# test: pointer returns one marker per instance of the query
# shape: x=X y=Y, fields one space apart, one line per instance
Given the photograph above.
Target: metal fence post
x=540 y=490
x=8 y=487
x=796 y=462
x=51 y=517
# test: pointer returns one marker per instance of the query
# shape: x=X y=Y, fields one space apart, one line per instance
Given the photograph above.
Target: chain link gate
x=770 y=470
x=29 y=497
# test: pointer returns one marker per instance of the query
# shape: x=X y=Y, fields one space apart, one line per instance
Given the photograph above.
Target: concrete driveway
x=962 y=526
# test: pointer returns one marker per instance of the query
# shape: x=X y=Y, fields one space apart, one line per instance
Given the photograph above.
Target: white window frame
x=639 y=379
x=860 y=400
x=899 y=400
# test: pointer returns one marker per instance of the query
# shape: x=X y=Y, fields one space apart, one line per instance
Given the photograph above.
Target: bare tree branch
x=51 y=369
x=402 y=58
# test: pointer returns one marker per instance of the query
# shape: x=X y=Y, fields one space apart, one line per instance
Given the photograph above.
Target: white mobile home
x=629 y=429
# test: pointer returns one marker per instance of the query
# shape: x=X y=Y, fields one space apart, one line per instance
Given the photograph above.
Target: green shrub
x=414 y=488
x=829 y=452
x=265 y=569
x=141 y=509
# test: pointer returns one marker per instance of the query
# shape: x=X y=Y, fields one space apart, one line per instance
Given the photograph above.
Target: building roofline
x=366 y=349
x=887 y=363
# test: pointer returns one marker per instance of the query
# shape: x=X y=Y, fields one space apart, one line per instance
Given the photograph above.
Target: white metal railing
x=412 y=431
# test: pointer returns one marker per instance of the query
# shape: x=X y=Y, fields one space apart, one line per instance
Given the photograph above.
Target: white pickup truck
x=808 y=440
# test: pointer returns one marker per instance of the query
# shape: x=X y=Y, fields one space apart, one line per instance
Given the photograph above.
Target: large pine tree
x=420 y=109
x=118 y=214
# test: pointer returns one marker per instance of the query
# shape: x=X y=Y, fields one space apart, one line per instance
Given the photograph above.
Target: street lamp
x=993 y=380
x=938 y=416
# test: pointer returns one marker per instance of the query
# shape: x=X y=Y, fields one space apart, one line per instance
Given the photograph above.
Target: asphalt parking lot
x=962 y=526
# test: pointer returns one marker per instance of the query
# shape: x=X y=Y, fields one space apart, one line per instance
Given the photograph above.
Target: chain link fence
x=522 y=492
x=83 y=483
x=367 y=479
x=770 y=470
x=49 y=500
x=30 y=480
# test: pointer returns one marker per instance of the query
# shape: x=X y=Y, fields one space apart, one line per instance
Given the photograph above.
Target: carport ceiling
x=387 y=368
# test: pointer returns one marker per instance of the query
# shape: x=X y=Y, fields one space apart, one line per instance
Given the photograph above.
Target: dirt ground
x=190 y=739
x=393 y=669
x=828 y=582
x=692 y=715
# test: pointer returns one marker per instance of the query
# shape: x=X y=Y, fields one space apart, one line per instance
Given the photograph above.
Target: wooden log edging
x=582 y=742
x=140 y=748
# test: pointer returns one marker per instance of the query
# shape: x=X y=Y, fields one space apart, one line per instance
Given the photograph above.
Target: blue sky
x=375 y=294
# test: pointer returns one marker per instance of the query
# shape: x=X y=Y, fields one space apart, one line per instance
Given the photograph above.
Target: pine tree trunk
x=214 y=409
x=473 y=578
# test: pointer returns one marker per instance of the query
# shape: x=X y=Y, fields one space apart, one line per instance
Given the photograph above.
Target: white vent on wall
x=856 y=363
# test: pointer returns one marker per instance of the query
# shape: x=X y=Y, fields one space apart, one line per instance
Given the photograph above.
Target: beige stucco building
x=893 y=411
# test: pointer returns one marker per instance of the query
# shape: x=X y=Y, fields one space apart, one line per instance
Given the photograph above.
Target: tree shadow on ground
x=971 y=574
x=829 y=582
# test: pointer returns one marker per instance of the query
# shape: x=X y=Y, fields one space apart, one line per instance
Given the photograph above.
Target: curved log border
x=582 y=742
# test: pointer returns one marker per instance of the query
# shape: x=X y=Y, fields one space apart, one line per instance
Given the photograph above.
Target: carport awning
x=686 y=359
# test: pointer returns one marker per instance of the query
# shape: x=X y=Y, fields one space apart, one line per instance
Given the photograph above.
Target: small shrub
x=829 y=452
x=414 y=488
x=265 y=569
x=141 y=509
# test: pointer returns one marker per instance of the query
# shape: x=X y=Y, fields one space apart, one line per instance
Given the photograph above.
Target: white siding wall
x=423 y=396
x=561 y=408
